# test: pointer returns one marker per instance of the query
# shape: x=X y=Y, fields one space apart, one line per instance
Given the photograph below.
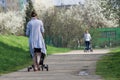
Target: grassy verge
x=14 y=53
x=53 y=50
x=109 y=66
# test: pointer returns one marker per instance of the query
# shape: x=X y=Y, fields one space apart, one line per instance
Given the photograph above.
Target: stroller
x=90 y=49
x=41 y=64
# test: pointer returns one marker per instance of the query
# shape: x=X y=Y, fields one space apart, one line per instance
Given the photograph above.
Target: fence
x=101 y=37
x=109 y=37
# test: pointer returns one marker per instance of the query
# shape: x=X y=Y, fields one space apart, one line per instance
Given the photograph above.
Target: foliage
x=65 y=26
x=61 y=30
x=29 y=9
x=11 y=23
x=41 y=6
x=96 y=15
x=109 y=67
x=112 y=10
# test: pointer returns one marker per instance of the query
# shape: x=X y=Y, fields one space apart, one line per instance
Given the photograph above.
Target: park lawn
x=109 y=66
x=14 y=53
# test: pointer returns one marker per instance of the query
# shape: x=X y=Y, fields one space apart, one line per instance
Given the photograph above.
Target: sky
x=68 y=2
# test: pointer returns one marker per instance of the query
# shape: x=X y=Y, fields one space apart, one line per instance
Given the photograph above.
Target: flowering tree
x=14 y=22
x=11 y=23
x=28 y=10
x=66 y=25
x=41 y=6
x=112 y=10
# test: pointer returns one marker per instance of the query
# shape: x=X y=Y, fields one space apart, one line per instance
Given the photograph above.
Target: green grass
x=14 y=53
x=109 y=66
x=53 y=50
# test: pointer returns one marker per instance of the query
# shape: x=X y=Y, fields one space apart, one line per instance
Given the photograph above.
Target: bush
x=11 y=23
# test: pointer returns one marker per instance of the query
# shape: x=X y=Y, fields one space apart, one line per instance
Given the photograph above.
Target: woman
x=87 y=38
x=35 y=32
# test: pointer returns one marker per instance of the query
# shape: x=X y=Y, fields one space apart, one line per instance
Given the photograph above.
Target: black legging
x=87 y=44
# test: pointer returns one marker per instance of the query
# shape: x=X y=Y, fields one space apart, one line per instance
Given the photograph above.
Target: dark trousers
x=87 y=44
x=37 y=50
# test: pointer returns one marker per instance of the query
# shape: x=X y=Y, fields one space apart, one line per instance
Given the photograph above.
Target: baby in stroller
x=39 y=61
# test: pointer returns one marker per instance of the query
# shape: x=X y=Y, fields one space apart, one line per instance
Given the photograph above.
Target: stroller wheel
x=42 y=67
x=91 y=50
x=47 y=68
x=85 y=50
x=28 y=69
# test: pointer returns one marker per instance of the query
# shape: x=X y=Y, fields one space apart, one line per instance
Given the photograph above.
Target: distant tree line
x=65 y=27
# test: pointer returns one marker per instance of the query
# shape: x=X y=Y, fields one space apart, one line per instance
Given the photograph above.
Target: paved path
x=74 y=65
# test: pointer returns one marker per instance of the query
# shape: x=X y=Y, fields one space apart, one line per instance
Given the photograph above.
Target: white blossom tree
x=11 y=23
x=41 y=6
x=112 y=10
x=66 y=25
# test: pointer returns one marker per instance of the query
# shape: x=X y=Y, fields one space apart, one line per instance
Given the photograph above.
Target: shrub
x=11 y=23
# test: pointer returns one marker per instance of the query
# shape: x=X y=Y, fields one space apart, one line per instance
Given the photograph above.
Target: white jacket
x=87 y=37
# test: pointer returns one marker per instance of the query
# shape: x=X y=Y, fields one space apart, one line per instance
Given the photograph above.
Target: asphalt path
x=73 y=65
